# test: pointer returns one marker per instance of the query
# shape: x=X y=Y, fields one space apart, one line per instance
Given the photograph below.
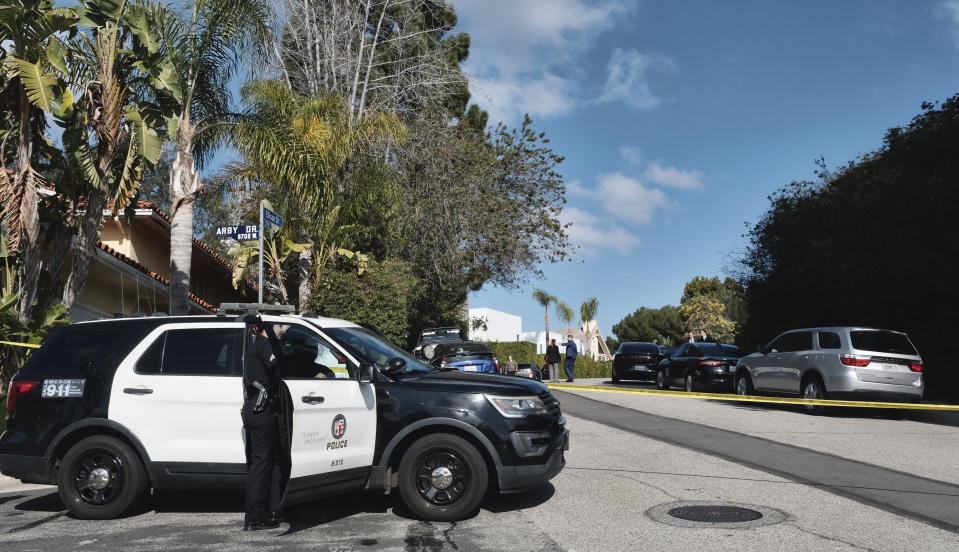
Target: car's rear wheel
x=813 y=388
x=744 y=386
x=101 y=478
x=690 y=384
x=613 y=376
x=662 y=382
x=442 y=477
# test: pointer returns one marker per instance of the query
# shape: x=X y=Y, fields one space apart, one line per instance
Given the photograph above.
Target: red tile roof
x=113 y=252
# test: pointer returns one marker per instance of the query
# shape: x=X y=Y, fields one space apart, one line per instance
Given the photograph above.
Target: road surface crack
x=833 y=539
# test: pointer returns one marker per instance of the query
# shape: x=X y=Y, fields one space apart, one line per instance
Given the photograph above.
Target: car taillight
x=915 y=366
x=18 y=388
x=854 y=360
x=709 y=363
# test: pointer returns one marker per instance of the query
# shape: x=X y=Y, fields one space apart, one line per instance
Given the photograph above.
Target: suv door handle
x=312 y=399
x=137 y=390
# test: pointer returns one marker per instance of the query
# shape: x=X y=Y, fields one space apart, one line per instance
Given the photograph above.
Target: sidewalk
x=11 y=485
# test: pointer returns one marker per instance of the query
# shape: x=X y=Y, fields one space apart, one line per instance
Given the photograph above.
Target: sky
x=678 y=119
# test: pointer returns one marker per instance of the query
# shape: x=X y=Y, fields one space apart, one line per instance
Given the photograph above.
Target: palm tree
x=28 y=47
x=565 y=314
x=207 y=47
x=302 y=145
x=544 y=299
x=587 y=311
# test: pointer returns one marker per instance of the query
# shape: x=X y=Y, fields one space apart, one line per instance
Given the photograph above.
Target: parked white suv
x=835 y=362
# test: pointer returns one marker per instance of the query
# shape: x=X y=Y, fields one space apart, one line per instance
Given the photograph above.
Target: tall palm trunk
x=547 y=325
x=184 y=184
x=305 y=264
x=29 y=270
x=86 y=246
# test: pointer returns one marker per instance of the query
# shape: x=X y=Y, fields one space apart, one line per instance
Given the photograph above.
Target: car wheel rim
x=98 y=478
x=689 y=384
x=441 y=477
x=741 y=386
x=812 y=392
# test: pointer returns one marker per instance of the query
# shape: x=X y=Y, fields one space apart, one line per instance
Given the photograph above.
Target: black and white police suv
x=107 y=410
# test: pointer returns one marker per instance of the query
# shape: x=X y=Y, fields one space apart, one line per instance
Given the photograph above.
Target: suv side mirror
x=396 y=364
x=365 y=374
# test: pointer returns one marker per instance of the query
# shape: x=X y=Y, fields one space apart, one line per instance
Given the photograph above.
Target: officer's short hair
x=253 y=321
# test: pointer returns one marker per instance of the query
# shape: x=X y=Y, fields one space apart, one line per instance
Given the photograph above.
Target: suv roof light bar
x=250 y=308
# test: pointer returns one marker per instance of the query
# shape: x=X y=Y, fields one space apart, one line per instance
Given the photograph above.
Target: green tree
x=545 y=300
x=704 y=313
x=30 y=49
x=663 y=326
x=565 y=313
x=587 y=312
x=206 y=48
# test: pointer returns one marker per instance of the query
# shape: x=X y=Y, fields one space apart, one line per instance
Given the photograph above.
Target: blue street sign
x=239 y=232
x=271 y=219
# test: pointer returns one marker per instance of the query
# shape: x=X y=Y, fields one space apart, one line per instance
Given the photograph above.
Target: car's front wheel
x=442 y=477
x=101 y=477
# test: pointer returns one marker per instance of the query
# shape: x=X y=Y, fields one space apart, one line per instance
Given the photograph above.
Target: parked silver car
x=835 y=363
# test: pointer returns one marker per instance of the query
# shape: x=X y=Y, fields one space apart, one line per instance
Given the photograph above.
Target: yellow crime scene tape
x=757 y=399
x=29 y=345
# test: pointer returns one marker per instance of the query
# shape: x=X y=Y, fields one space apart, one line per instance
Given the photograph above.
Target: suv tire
x=442 y=477
x=613 y=376
x=690 y=384
x=101 y=477
x=813 y=388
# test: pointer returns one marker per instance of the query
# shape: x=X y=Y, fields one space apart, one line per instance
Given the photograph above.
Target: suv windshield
x=629 y=348
x=367 y=346
x=882 y=342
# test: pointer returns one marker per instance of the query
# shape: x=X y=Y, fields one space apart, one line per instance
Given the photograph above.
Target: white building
x=500 y=326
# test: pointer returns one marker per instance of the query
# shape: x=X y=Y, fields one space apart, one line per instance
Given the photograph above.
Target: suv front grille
x=550 y=402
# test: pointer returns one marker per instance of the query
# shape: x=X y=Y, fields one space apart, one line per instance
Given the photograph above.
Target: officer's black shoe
x=269 y=524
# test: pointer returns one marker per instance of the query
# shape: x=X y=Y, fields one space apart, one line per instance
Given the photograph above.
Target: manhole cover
x=725 y=515
x=715 y=514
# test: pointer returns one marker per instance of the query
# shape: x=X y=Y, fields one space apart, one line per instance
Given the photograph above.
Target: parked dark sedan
x=636 y=361
x=466 y=356
x=699 y=365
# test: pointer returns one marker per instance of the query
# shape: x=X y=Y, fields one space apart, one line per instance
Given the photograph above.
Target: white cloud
x=671 y=177
x=592 y=233
x=521 y=53
x=631 y=154
x=950 y=11
x=575 y=188
x=627 y=198
x=626 y=78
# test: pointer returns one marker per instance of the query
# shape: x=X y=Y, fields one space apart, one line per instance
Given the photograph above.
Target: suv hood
x=466 y=382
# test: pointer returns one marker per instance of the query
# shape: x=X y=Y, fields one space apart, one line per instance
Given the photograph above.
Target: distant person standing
x=552 y=361
x=571 y=354
x=511 y=366
x=705 y=337
x=692 y=337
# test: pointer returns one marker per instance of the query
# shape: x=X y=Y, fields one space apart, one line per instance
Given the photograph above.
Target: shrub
x=522 y=351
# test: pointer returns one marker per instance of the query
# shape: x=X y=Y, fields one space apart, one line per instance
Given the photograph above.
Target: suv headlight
x=517 y=407
x=428 y=351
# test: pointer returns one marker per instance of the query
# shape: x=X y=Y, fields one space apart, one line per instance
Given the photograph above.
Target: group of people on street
x=553 y=358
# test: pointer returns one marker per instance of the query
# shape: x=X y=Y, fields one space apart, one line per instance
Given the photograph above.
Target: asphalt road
x=629 y=462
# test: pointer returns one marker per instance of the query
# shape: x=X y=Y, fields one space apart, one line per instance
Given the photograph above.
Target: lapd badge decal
x=339 y=426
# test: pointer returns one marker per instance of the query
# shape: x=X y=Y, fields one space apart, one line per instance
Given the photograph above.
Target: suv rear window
x=631 y=348
x=200 y=352
x=882 y=342
x=76 y=351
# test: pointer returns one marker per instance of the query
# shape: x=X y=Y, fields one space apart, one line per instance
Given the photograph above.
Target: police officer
x=260 y=408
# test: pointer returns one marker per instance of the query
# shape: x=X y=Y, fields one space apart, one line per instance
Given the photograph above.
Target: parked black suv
x=431 y=337
x=106 y=410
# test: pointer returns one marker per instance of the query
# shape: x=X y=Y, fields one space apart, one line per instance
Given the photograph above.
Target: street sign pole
x=260 y=287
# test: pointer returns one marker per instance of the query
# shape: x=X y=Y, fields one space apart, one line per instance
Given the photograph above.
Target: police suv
x=107 y=410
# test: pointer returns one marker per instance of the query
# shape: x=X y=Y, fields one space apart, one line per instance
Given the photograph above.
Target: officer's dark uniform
x=262 y=434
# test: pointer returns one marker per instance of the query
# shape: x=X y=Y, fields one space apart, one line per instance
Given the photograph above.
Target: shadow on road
x=49 y=502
